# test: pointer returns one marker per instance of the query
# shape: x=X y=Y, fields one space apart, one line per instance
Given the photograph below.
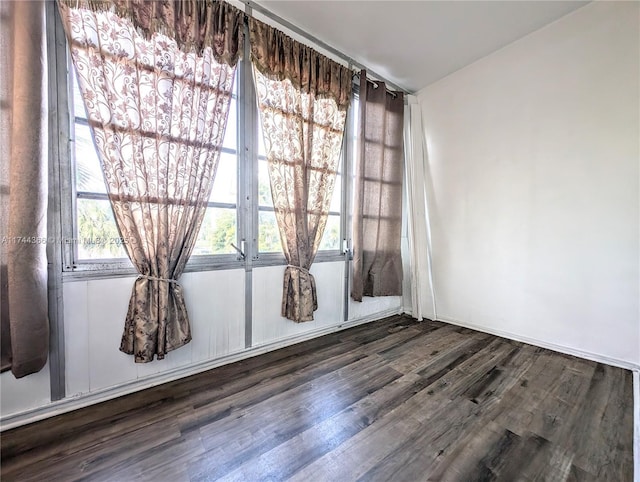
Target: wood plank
x=424 y=409
x=286 y=459
x=395 y=400
x=259 y=428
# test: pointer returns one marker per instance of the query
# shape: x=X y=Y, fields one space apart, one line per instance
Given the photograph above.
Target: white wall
x=17 y=395
x=534 y=194
x=94 y=313
x=270 y=326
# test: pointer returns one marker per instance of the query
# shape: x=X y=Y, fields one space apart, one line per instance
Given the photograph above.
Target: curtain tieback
x=299 y=268
x=157 y=279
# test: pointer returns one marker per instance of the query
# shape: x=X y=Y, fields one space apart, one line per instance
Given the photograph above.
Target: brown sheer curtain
x=23 y=187
x=303 y=98
x=156 y=79
x=377 y=264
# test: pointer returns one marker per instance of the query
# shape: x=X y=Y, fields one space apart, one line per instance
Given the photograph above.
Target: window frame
x=274 y=257
x=247 y=201
x=270 y=258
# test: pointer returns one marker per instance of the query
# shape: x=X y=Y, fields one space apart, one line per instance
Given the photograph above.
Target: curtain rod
x=259 y=8
x=376 y=85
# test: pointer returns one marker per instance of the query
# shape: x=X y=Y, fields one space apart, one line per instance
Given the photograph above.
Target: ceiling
x=415 y=43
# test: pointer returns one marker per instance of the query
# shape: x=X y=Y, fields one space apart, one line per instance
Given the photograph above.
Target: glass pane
x=269 y=241
x=98 y=236
x=331 y=235
x=89 y=176
x=336 y=198
x=261 y=150
x=234 y=92
x=269 y=236
x=225 y=185
x=230 y=134
x=78 y=103
x=217 y=232
x=354 y=142
x=264 y=188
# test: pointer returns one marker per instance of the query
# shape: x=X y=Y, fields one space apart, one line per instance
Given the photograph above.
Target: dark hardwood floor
x=391 y=400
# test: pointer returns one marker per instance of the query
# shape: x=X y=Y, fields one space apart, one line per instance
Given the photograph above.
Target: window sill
x=122 y=268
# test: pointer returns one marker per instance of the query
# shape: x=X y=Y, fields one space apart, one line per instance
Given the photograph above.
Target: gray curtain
x=156 y=79
x=303 y=98
x=377 y=263
x=23 y=187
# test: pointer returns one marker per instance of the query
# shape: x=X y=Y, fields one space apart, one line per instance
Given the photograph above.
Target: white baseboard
x=545 y=344
x=84 y=400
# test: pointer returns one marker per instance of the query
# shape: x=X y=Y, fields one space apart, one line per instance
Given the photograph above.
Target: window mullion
x=247 y=190
x=347 y=200
x=251 y=117
x=66 y=163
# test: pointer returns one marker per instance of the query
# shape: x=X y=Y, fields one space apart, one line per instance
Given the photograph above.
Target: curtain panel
x=377 y=262
x=418 y=237
x=156 y=79
x=302 y=97
x=23 y=189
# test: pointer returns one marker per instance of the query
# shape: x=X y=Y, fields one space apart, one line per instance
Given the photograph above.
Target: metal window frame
x=347 y=201
x=58 y=145
x=248 y=185
x=247 y=208
x=73 y=267
x=269 y=258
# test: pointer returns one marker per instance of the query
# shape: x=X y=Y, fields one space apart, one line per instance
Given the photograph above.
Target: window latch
x=346 y=248
x=240 y=252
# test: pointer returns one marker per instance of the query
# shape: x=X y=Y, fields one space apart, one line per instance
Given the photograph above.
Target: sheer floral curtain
x=303 y=97
x=156 y=79
x=377 y=261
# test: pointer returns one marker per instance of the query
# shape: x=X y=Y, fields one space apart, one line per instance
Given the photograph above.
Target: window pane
x=230 y=134
x=78 y=103
x=355 y=123
x=269 y=236
x=88 y=171
x=336 y=199
x=234 y=92
x=331 y=235
x=217 y=232
x=269 y=241
x=264 y=188
x=98 y=236
x=261 y=150
x=225 y=185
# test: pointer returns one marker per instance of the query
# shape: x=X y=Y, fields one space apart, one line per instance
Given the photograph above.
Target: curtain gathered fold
x=302 y=97
x=156 y=79
x=23 y=188
x=377 y=261
x=194 y=25
x=418 y=233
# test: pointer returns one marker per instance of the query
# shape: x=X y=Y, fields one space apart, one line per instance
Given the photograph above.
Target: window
x=269 y=239
x=95 y=233
x=269 y=236
x=331 y=236
x=219 y=226
x=92 y=239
